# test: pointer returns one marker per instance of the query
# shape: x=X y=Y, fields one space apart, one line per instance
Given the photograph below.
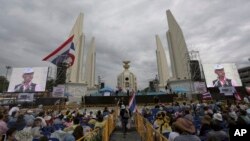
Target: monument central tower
x=127 y=80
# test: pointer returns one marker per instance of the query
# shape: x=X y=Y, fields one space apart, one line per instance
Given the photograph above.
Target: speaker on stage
x=195 y=70
x=102 y=85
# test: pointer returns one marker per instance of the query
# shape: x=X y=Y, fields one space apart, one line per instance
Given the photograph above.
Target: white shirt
x=37 y=87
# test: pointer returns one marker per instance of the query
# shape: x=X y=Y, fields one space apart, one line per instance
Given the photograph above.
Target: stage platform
x=140 y=99
x=37 y=101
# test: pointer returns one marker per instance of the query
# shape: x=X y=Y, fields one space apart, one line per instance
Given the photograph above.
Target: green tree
x=4 y=83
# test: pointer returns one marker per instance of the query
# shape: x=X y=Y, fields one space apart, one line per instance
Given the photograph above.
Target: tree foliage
x=4 y=84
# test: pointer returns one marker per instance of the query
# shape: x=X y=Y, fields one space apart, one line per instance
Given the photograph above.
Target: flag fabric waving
x=132 y=103
x=65 y=52
x=206 y=95
x=237 y=96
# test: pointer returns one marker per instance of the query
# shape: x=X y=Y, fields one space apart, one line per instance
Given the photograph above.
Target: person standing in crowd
x=37 y=125
x=217 y=133
x=11 y=134
x=222 y=80
x=29 y=116
x=205 y=126
x=3 y=125
x=78 y=132
x=27 y=85
x=187 y=130
x=125 y=115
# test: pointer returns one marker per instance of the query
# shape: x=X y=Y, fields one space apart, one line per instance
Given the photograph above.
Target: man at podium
x=27 y=85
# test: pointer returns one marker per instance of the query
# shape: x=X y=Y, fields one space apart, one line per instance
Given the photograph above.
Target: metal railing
x=146 y=130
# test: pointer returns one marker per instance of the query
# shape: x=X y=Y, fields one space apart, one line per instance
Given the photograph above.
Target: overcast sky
x=124 y=30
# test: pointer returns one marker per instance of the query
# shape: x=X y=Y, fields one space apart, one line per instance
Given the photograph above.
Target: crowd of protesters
x=206 y=121
x=17 y=124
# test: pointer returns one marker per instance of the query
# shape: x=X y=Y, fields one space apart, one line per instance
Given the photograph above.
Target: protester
x=78 y=132
x=125 y=115
x=205 y=126
x=217 y=133
x=3 y=125
x=36 y=128
x=187 y=130
x=11 y=134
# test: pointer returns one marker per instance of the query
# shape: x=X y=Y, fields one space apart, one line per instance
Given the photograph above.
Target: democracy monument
x=79 y=109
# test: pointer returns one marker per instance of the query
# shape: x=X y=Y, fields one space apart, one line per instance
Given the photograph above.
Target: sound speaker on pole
x=102 y=85
x=195 y=70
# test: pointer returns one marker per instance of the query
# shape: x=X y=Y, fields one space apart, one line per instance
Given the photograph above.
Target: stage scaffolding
x=194 y=68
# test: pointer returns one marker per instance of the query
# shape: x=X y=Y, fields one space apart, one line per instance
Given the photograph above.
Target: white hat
x=28 y=70
x=47 y=118
x=40 y=106
x=218 y=67
x=123 y=107
x=217 y=116
x=29 y=111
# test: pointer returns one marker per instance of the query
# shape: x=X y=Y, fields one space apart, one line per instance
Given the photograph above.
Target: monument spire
x=90 y=65
x=75 y=72
x=163 y=71
x=177 y=49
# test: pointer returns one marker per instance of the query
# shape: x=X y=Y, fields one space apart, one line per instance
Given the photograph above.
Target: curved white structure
x=177 y=49
x=75 y=72
x=90 y=65
x=162 y=65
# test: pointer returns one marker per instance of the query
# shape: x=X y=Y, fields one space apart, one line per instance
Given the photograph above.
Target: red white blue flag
x=206 y=95
x=132 y=103
x=237 y=96
x=64 y=53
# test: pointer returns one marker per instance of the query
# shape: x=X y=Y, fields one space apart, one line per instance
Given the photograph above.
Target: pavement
x=131 y=135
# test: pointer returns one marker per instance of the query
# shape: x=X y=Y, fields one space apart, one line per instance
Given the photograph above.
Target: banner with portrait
x=218 y=75
x=28 y=80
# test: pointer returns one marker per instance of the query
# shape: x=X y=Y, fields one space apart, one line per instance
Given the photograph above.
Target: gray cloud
x=124 y=30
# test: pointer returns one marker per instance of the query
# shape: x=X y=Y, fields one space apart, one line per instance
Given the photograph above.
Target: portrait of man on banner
x=27 y=85
x=222 y=80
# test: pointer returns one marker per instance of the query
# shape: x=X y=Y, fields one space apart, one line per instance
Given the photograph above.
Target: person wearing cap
x=125 y=114
x=28 y=116
x=222 y=80
x=27 y=85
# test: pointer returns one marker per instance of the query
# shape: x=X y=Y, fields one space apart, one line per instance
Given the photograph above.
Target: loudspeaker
x=102 y=85
x=195 y=70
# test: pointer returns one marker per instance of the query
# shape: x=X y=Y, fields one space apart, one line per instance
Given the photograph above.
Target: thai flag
x=64 y=53
x=237 y=96
x=206 y=95
x=132 y=103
